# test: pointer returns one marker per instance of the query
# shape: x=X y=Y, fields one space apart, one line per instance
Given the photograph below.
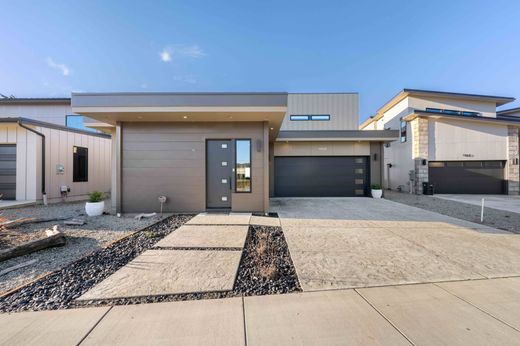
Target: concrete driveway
x=363 y=242
x=500 y=202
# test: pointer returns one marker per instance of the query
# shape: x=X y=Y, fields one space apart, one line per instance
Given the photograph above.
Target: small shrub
x=95 y=196
x=376 y=187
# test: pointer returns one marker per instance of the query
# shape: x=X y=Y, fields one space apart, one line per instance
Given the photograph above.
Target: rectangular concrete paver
x=331 y=258
x=498 y=297
x=170 y=272
x=265 y=221
x=225 y=236
x=202 y=322
x=429 y=315
x=63 y=327
x=220 y=219
x=471 y=249
x=317 y=318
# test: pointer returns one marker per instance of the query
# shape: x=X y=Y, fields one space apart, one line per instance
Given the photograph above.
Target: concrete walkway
x=201 y=256
x=478 y=312
x=500 y=202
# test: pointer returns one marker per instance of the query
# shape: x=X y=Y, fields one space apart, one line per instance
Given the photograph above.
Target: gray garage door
x=468 y=177
x=321 y=176
x=8 y=171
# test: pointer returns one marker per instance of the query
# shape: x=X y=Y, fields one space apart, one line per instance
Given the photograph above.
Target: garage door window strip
x=243 y=165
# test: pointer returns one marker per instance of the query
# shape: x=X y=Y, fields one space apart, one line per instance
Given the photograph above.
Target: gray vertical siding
x=169 y=159
x=342 y=107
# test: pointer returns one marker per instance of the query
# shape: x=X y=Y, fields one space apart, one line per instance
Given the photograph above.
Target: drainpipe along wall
x=44 y=194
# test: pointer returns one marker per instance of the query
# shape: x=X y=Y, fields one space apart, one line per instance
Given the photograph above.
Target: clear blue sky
x=376 y=48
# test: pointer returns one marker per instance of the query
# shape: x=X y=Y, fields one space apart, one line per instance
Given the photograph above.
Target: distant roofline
x=168 y=93
x=35 y=100
x=499 y=100
x=28 y=121
x=499 y=119
x=508 y=111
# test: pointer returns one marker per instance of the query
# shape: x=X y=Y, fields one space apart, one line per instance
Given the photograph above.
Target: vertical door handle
x=230 y=183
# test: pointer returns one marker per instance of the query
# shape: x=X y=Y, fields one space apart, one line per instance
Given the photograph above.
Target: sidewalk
x=476 y=312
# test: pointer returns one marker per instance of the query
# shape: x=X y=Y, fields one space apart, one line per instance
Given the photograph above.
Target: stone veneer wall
x=513 y=168
x=420 y=151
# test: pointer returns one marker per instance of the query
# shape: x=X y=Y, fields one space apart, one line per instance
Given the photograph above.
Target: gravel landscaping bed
x=504 y=220
x=81 y=240
x=266 y=266
x=59 y=289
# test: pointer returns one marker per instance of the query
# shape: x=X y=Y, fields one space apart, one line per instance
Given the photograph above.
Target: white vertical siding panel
x=21 y=164
x=11 y=133
x=32 y=166
x=3 y=134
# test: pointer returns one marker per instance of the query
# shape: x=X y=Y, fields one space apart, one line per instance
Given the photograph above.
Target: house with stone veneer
x=457 y=142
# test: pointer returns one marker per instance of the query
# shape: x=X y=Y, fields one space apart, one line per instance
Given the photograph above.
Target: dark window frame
x=452 y=112
x=250 y=165
x=309 y=117
x=403 y=134
x=77 y=177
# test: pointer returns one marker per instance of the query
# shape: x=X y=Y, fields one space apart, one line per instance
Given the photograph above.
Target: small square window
x=223 y=145
x=359 y=181
x=224 y=198
x=359 y=192
x=224 y=181
x=358 y=171
x=359 y=160
x=224 y=163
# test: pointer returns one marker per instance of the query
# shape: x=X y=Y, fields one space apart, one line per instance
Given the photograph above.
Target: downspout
x=44 y=194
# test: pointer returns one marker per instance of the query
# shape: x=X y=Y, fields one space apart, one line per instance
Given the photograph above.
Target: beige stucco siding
x=466 y=140
x=170 y=159
x=58 y=151
x=322 y=149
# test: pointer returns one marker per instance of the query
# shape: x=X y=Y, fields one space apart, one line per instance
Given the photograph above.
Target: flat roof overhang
x=111 y=108
x=489 y=120
x=345 y=135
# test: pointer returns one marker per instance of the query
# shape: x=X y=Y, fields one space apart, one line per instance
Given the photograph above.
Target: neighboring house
x=40 y=156
x=232 y=151
x=458 y=142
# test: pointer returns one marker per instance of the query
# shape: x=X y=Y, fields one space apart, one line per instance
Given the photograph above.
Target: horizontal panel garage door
x=321 y=176
x=468 y=177
x=8 y=171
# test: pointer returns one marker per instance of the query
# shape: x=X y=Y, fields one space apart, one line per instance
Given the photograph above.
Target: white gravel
x=96 y=233
x=501 y=219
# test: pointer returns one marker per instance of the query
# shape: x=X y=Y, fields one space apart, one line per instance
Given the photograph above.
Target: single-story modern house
x=457 y=142
x=40 y=156
x=232 y=151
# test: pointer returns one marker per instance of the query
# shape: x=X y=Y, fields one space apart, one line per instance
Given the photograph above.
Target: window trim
x=74 y=179
x=309 y=117
x=327 y=116
x=401 y=131
x=452 y=112
x=250 y=165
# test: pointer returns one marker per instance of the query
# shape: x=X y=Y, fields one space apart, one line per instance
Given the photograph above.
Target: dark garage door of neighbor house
x=8 y=171
x=321 y=176
x=467 y=177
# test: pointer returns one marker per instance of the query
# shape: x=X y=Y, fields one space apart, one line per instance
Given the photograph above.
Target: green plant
x=376 y=187
x=96 y=196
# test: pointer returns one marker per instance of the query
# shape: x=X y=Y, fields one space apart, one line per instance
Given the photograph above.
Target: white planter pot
x=377 y=193
x=95 y=209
